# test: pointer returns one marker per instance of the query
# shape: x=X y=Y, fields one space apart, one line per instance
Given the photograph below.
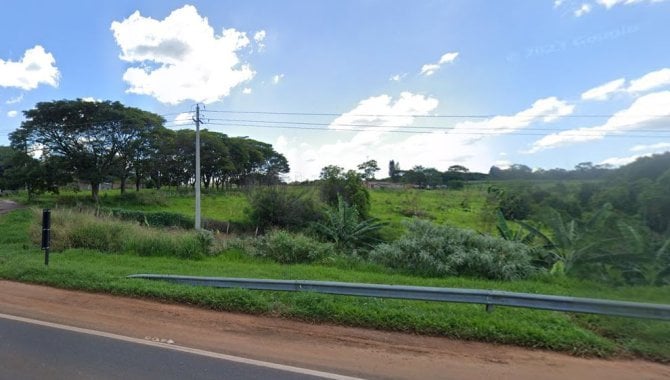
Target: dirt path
x=351 y=351
x=7 y=206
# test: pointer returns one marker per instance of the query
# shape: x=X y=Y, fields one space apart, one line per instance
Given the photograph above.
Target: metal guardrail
x=490 y=298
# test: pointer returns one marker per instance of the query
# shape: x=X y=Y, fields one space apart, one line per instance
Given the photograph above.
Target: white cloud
x=558 y=3
x=448 y=58
x=650 y=81
x=647 y=111
x=181 y=57
x=12 y=113
x=35 y=67
x=183 y=119
x=430 y=68
x=654 y=147
x=246 y=91
x=398 y=77
x=259 y=37
x=91 y=99
x=582 y=10
x=603 y=92
x=648 y=149
x=383 y=111
x=620 y=161
x=379 y=116
x=277 y=78
x=543 y=110
x=611 y=3
x=15 y=100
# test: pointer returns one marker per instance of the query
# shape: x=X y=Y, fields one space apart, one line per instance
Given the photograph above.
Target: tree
x=458 y=169
x=368 y=169
x=394 y=171
x=18 y=170
x=335 y=183
x=416 y=176
x=90 y=137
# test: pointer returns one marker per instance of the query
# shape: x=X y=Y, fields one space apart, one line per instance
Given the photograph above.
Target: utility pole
x=197 y=168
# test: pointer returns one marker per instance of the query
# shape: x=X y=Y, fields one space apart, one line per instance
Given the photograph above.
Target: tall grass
x=84 y=229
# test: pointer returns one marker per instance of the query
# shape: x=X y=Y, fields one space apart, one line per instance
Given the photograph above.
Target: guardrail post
x=46 y=234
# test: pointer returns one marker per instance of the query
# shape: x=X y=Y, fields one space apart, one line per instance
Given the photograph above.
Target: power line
x=482 y=133
x=403 y=126
x=455 y=116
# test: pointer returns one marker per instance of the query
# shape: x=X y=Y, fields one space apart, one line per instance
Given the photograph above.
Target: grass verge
x=95 y=271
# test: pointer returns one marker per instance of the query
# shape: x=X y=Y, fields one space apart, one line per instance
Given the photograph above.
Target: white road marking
x=195 y=351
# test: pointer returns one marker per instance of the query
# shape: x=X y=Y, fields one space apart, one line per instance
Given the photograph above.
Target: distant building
x=383 y=185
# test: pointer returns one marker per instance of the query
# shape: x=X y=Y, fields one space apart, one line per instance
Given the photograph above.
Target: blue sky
x=543 y=83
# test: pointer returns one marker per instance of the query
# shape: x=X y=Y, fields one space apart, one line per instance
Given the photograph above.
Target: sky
x=546 y=83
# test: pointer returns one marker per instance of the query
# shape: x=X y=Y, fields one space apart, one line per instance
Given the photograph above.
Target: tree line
x=96 y=142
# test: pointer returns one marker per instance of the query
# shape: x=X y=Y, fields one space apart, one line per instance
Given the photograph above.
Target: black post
x=46 y=234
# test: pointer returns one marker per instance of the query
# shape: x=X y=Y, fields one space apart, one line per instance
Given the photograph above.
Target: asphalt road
x=29 y=351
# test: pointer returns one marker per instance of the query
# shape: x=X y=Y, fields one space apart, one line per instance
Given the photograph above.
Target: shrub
x=435 y=250
x=515 y=206
x=102 y=237
x=288 y=248
x=279 y=207
x=344 y=227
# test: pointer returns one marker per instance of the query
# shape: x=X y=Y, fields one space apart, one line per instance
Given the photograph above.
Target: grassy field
x=460 y=208
x=94 y=271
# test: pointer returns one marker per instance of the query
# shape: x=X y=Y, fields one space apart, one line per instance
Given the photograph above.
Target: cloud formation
x=654 y=147
x=430 y=68
x=648 y=111
x=582 y=10
x=12 y=113
x=181 y=57
x=544 y=110
x=604 y=91
x=375 y=120
x=611 y=3
x=183 y=119
x=277 y=78
x=15 y=100
x=650 y=81
x=36 y=67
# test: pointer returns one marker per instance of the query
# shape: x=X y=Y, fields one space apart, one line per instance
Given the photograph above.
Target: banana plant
x=344 y=227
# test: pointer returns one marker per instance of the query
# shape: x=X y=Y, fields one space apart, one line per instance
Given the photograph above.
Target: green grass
x=459 y=208
x=224 y=206
x=94 y=271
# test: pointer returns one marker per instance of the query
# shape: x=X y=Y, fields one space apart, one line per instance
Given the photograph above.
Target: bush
x=288 y=248
x=85 y=230
x=279 y=207
x=102 y=237
x=335 y=182
x=434 y=250
x=155 y=218
x=515 y=206
x=344 y=227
